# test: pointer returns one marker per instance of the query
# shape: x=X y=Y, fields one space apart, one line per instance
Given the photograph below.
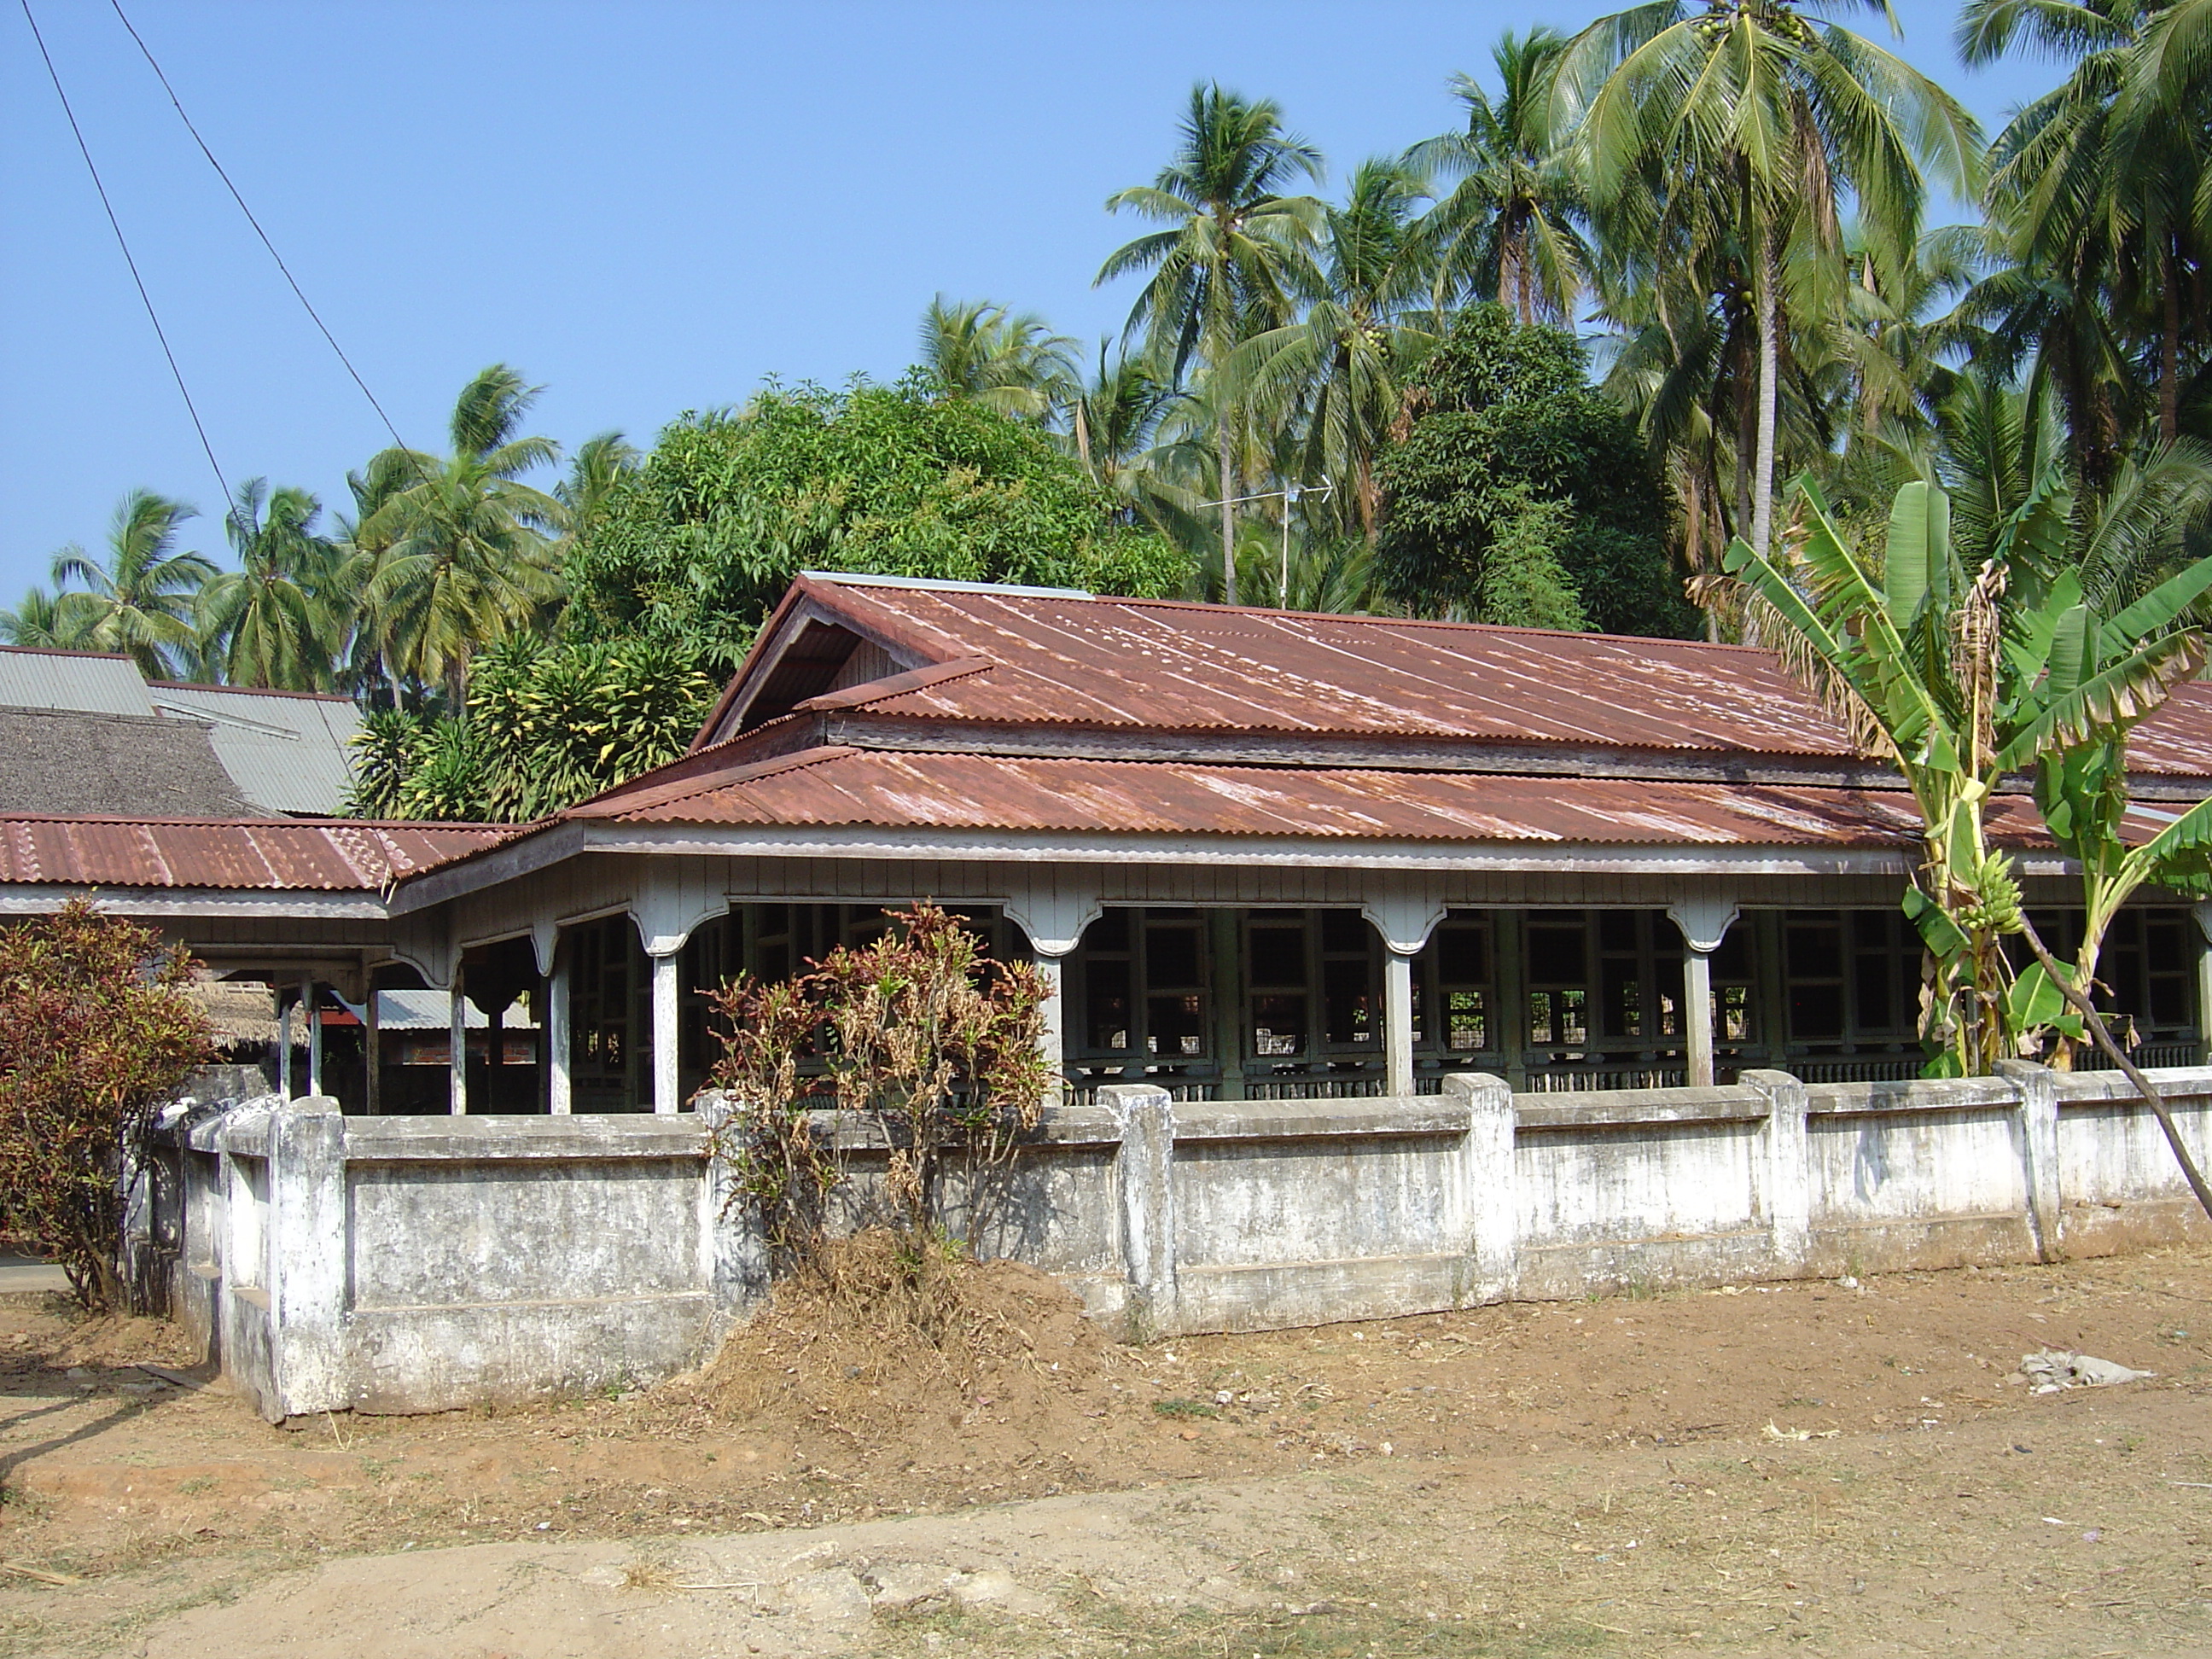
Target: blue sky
x=646 y=207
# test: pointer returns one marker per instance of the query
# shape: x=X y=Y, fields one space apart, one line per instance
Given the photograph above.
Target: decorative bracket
x=1704 y=920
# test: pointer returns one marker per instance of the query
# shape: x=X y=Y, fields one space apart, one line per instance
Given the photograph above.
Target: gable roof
x=1071 y=659
x=91 y=681
x=278 y=853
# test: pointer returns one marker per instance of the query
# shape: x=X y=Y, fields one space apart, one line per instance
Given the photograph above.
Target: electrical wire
x=297 y=293
x=123 y=242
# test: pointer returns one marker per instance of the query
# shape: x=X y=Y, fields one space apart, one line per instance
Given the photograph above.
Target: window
x=610 y=1016
x=1851 y=978
x=1138 y=979
x=1455 y=975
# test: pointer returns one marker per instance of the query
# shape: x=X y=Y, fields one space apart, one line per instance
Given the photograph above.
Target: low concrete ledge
x=2177 y=1084
x=1315 y=1120
x=1911 y=1095
x=1601 y=1108
x=492 y=1140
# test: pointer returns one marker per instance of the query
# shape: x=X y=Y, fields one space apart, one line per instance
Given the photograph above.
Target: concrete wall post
x=1788 y=1166
x=1484 y=1214
x=2037 y=1089
x=306 y=1246
x=731 y=1248
x=1145 y=1172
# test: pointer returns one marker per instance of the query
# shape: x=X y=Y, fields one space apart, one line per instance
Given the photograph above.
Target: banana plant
x=2083 y=681
x=1907 y=652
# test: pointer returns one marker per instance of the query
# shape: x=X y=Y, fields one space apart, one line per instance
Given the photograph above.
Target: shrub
x=920 y=1039
x=95 y=1032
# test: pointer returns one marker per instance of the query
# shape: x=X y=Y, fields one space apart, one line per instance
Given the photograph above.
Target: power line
x=123 y=242
x=397 y=443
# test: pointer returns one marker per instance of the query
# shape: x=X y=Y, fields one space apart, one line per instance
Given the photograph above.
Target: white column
x=1398 y=1021
x=1698 y=1015
x=559 y=1100
x=457 y=1051
x=2203 y=910
x=1404 y=916
x=314 y=1015
x=1705 y=922
x=667 y=1083
x=1052 y=1034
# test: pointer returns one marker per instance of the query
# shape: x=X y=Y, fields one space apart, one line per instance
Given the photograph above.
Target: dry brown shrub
x=866 y=1340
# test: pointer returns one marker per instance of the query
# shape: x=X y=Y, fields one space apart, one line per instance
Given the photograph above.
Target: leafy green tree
x=138 y=600
x=1233 y=259
x=36 y=622
x=457 y=549
x=1007 y=361
x=1514 y=459
x=891 y=480
x=1510 y=230
x=279 y=619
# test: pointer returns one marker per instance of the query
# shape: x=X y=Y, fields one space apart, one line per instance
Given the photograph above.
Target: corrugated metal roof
x=913 y=790
x=286 y=751
x=1174 y=667
x=336 y=856
x=1048 y=661
x=91 y=681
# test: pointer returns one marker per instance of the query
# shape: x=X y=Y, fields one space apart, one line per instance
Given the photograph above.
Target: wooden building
x=1261 y=855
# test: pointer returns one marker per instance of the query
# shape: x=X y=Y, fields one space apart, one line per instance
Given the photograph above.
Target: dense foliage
x=1520 y=495
x=730 y=506
x=96 y=1030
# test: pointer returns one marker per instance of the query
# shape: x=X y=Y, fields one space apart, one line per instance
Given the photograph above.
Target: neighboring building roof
x=94 y=682
x=284 y=751
x=287 y=749
x=66 y=760
x=276 y=853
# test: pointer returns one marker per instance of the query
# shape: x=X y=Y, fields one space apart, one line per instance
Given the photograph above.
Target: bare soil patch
x=1624 y=1475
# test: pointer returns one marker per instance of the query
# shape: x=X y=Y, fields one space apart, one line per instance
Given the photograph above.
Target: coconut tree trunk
x=1769 y=326
x=1226 y=440
x=2169 y=351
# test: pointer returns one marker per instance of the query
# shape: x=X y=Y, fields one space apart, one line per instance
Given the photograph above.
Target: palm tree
x=2097 y=196
x=1341 y=365
x=1007 y=361
x=1509 y=231
x=280 y=619
x=1743 y=120
x=139 y=602
x=35 y=623
x=1233 y=259
x=457 y=551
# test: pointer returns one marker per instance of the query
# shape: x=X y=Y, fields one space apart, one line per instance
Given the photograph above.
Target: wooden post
x=1510 y=942
x=1225 y=981
x=312 y=1015
x=284 y=1053
x=1052 y=1035
x=372 y=1027
x=667 y=988
x=456 y=1049
x=2204 y=913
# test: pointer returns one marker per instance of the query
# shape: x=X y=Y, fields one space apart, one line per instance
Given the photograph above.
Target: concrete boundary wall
x=331 y=1263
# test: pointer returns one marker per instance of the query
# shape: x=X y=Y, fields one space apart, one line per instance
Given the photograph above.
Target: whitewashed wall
x=413 y=1264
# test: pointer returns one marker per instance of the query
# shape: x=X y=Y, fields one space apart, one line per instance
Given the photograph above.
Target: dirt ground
x=1808 y=1468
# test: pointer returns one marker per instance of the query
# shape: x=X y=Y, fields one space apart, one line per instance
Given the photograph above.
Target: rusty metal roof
x=335 y=855
x=1050 y=659
x=1170 y=665
x=888 y=789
